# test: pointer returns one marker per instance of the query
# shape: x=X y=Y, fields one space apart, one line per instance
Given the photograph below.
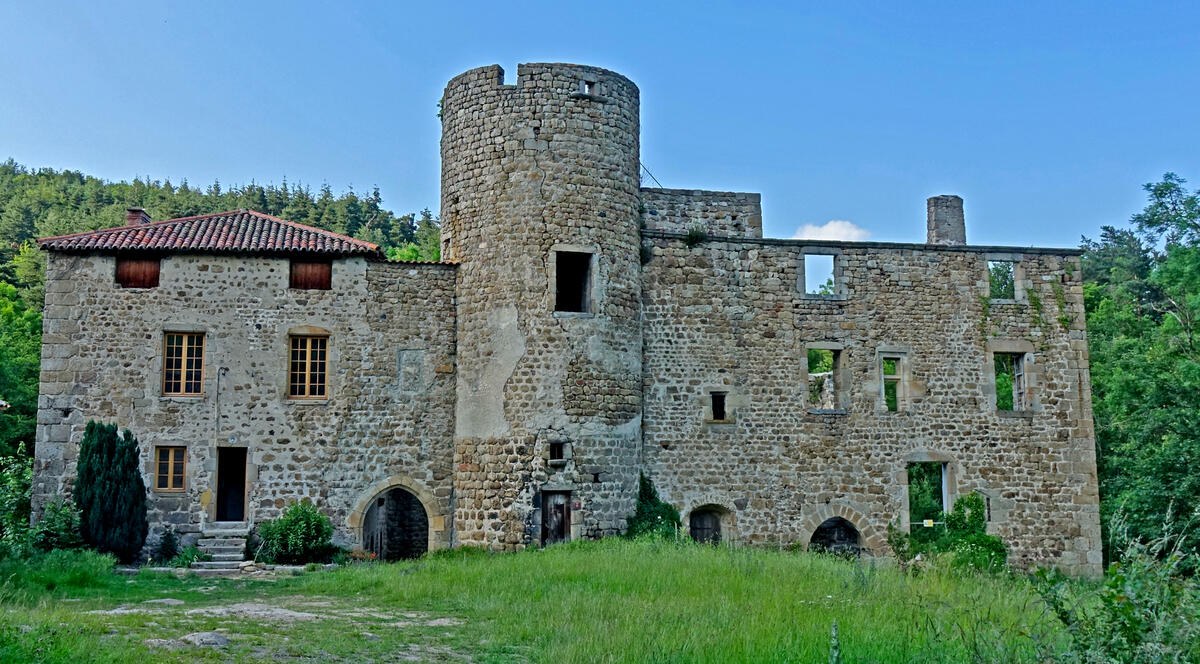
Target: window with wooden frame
x=137 y=272
x=307 y=367
x=183 y=364
x=311 y=275
x=169 y=466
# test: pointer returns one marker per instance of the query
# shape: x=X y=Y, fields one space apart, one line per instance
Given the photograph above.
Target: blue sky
x=1045 y=117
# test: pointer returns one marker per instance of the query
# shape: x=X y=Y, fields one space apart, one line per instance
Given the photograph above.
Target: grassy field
x=607 y=601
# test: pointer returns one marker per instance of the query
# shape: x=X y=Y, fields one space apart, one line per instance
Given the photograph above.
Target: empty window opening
x=311 y=275
x=1011 y=392
x=705 y=526
x=396 y=526
x=890 y=374
x=558 y=451
x=818 y=274
x=837 y=536
x=137 y=272
x=822 y=381
x=718 y=406
x=572 y=281
x=589 y=87
x=926 y=500
x=168 y=475
x=1002 y=280
x=183 y=364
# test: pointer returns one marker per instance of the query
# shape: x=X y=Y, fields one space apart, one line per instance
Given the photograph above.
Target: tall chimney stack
x=946 y=222
x=136 y=215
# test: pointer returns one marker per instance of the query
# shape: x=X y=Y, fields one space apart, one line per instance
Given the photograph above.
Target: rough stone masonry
x=580 y=330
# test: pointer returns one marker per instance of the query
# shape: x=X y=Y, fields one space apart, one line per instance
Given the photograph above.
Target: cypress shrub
x=653 y=515
x=110 y=493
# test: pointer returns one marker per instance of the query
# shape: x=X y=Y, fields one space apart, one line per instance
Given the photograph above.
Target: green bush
x=964 y=542
x=58 y=528
x=187 y=556
x=110 y=492
x=168 y=546
x=302 y=535
x=16 y=475
x=652 y=516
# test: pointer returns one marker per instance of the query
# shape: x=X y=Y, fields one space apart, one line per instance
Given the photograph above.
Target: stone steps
x=226 y=544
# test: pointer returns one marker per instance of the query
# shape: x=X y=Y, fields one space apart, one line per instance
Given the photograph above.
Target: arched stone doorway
x=395 y=526
x=838 y=536
x=704 y=525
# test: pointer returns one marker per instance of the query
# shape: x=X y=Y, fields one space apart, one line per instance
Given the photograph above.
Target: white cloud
x=835 y=229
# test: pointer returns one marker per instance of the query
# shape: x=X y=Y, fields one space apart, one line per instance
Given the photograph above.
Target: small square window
x=169 y=468
x=572 y=291
x=1002 y=282
x=589 y=87
x=558 y=451
x=1012 y=392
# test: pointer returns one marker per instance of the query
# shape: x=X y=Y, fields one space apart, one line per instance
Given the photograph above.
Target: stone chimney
x=946 y=222
x=136 y=215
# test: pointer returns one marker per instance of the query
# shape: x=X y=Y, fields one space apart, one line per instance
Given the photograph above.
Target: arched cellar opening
x=838 y=536
x=395 y=526
x=704 y=525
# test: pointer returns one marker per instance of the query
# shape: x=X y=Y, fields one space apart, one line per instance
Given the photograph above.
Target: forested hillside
x=1142 y=290
x=44 y=202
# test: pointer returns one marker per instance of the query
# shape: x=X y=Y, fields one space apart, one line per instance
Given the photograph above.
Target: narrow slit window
x=1011 y=387
x=818 y=275
x=572 y=281
x=311 y=275
x=822 y=379
x=890 y=374
x=718 y=406
x=307 y=370
x=137 y=272
x=169 y=467
x=1002 y=283
x=926 y=500
x=183 y=364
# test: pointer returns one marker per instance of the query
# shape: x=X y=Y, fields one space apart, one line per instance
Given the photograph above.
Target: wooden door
x=556 y=517
x=705 y=527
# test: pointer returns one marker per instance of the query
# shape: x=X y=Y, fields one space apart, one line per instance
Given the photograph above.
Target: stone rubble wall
x=726 y=213
x=726 y=315
x=103 y=346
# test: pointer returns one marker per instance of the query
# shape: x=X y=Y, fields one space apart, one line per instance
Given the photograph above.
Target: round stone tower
x=540 y=209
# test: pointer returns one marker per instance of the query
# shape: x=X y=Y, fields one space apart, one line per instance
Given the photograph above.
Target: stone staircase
x=226 y=543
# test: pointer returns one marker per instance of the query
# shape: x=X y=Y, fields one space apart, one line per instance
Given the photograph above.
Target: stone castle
x=580 y=330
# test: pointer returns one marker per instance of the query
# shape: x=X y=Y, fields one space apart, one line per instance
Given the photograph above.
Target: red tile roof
x=238 y=231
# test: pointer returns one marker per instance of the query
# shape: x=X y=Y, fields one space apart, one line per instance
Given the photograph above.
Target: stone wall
x=543 y=165
x=103 y=348
x=726 y=213
x=729 y=316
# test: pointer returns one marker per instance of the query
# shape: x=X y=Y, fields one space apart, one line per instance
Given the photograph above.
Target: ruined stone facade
x=519 y=413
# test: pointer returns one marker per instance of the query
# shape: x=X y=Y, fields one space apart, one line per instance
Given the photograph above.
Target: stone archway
x=709 y=524
x=395 y=526
x=871 y=540
x=405 y=502
x=836 y=535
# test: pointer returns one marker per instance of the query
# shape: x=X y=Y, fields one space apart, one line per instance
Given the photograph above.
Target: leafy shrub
x=965 y=541
x=187 y=556
x=168 y=546
x=16 y=475
x=652 y=516
x=1146 y=609
x=695 y=236
x=302 y=535
x=58 y=529
x=110 y=492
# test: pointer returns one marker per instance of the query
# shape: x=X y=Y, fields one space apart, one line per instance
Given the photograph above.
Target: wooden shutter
x=137 y=272
x=311 y=275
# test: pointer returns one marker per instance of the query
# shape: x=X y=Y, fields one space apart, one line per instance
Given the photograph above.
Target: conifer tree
x=110 y=492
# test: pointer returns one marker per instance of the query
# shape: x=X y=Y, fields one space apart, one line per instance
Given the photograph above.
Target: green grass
x=607 y=601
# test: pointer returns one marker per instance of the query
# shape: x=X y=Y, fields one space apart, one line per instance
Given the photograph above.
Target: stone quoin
x=580 y=330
